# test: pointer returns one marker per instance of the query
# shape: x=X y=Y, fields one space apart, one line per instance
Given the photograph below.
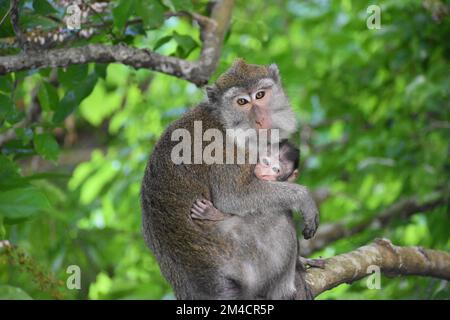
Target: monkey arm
x=260 y=196
x=203 y=209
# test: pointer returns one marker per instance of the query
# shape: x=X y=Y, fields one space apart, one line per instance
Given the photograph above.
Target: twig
x=15 y=24
x=212 y=32
x=6 y=14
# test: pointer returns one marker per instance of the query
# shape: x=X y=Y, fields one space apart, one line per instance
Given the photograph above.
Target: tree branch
x=14 y=16
x=392 y=260
x=328 y=233
x=212 y=31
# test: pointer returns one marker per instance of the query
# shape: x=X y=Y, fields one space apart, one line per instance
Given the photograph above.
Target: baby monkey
x=280 y=166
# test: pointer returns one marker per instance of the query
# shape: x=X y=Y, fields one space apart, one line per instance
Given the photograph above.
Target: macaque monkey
x=250 y=254
x=281 y=166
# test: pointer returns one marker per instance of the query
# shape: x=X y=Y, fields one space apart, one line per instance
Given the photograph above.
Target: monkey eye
x=242 y=101
x=260 y=94
x=265 y=161
x=276 y=170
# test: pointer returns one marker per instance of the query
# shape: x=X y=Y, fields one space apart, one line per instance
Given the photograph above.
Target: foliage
x=374 y=108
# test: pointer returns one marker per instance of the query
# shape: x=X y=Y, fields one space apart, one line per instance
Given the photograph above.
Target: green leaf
x=8 y=111
x=43 y=7
x=100 y=104
x=45 y=72
x=13 y=293
x=73 y=75
x=48 y=97
x=46 y=145
x=48 y=176
x=168 y=4
x=96 y=182
x=6 y=29
x=152 y=13
x=52 y=94
x=22 y=203
x=8 y=169
x=24 y=134
x=17 y=147
x=74 y=97
x=6 y=84
x=122 y=12
x=43 y=98
x=6 y=107
x=178 y=5
x=9 y=173
x=185 y=43
x=31 y=20
x=100 y=70
x=162 y=41
x=15 y=116
x=2 y=229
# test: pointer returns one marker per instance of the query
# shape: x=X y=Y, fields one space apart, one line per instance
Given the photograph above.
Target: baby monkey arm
x=203 y=209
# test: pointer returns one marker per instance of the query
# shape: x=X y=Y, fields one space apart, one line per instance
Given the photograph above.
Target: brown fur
x=212 y=260
x=195 y=247
x=241 y=74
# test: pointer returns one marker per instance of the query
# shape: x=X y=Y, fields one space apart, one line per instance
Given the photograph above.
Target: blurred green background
x=373 y=108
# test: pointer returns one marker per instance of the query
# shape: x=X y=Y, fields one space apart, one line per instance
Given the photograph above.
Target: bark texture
x=391 y=260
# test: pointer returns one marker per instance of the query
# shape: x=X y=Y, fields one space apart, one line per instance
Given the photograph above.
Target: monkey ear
x=212 y=93
x=274 y=72
x=293 y=176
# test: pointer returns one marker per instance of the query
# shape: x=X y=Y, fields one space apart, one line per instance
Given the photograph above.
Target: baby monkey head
x=249 y=96
x=281 y=165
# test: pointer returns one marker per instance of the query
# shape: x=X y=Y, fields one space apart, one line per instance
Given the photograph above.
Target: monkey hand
x=203 y=209
x=311 y=226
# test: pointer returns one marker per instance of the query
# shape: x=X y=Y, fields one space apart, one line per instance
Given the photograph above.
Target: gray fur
x=253 y=254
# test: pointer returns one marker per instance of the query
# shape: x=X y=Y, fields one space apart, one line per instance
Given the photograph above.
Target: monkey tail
x=304 y=291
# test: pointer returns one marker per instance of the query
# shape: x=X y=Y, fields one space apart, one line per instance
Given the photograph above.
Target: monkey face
x=272 y=168
x=252 y=104
x=251 y=97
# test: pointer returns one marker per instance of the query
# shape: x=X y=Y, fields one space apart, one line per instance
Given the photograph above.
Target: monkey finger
x=207 y=202
x=197 y=215
x=201 y=204
x=198 y=208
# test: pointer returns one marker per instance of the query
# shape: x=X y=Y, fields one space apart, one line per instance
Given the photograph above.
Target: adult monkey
x=246 y=259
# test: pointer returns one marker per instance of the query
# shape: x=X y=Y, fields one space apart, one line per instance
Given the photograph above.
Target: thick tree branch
x=392 y=260
x=212 y=33
x=328 y=233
